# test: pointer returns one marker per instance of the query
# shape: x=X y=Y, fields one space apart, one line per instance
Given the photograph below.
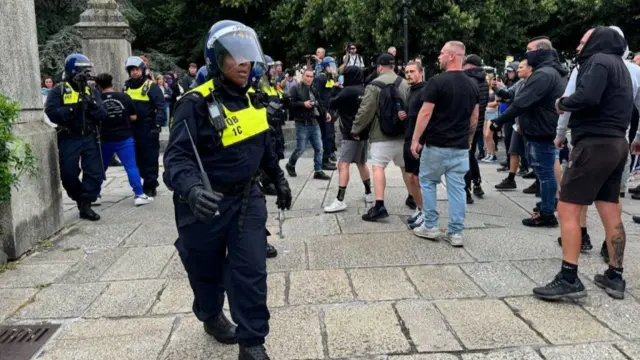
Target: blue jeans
x=453 y=164
x=542 y=157
x=304 y=134
x=126 y=152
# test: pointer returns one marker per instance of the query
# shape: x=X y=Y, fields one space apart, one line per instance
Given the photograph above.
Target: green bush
x=16 y=157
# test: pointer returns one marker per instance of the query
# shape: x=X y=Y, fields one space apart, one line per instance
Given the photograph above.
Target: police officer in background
x=221 y=214
x=324 y=83
x=149 y=101
x=201 y=77
x=77 y=109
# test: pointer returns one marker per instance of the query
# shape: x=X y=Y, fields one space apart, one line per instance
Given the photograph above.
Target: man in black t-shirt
x=444 y=130
x=117 y=134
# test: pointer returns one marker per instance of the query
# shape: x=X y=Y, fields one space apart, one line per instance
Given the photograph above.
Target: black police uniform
x=324 y=85
x=149 y=102
x=275 y=102
x=77 y=117
x=230 y=252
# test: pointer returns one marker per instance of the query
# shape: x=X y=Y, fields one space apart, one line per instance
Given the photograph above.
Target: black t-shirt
x=117 y=126
x=455 y=96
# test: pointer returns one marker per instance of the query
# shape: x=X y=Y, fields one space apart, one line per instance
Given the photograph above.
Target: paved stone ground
x=340 y=288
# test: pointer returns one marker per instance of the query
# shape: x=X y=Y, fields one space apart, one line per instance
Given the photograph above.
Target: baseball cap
x=385 y=59
x=472 y=59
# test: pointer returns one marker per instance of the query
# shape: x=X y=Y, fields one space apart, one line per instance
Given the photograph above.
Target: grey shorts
x=353 y=151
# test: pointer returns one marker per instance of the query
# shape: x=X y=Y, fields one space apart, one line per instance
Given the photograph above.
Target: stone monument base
x=34 y=212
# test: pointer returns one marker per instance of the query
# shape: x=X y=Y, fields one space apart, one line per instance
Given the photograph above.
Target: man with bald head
x=320 y=53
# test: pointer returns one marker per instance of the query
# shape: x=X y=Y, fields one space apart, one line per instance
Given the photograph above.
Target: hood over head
x=549 y=58
x=352 y=76
x=619 y=31
x=513 y=66
x=477 y=73
x=603 y=40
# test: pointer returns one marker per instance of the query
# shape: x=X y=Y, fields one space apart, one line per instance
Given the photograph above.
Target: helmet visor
x=331 y=68
x=236 y=45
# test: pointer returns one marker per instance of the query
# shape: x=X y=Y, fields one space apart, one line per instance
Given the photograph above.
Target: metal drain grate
x=21 y=342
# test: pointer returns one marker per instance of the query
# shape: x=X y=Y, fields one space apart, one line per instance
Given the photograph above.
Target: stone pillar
x=35 y=210
x=106 y=39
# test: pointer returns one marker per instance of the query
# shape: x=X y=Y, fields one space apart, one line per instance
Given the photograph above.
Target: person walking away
x=150 y=108
x=444 y=132
x=307 y=112
x=601 y=109
x=77 y=110
x=472 y=67
x=382 y=114
x=346 y=102
x=412 y=165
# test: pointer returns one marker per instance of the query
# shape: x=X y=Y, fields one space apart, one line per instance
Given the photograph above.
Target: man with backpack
x=381 y=115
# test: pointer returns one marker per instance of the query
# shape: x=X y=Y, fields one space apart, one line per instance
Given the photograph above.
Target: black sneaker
x=634 y=190
x=333 y=158
x=291 y=170
x=503 y=169
x=604 y=252
x=522 y=172
x=635 y=196
x=504 y=164
x=614 y=287
x=477 y=190
x=222 y=329
x=541 y=220
x=271 y=251
x=411 y=202
x=328 y=166
x=86 y=212
x=533 y=188
x=507 y=184
x=150 y=192
x=529 y=175
x=586 y=243
x=253 y=353
x=375 y=214
x=539 y=204
x=469 y=198
x=560 y=288
x=320 y=175
x=636 y=219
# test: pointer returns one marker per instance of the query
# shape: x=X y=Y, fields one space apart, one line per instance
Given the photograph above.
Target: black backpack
x=390 y=103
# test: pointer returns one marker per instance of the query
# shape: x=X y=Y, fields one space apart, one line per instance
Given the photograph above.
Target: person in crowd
x=171 y=79
x=318 y=57
x=346 y=102
x=511 y=79
x=399 y=70
x=47 y=85
x=307 y=111
x=472 y=66
x=601 y=109
x=189 y=77
x=77 y=110
x=393 y=51
x=444 y=132
x=116 y=133
x=323 y=84
x=538 y=120
x=166 y=91
x=491 y=113
x=352 y=58
x=412 y=165
x=289 y=81
x=385 y=133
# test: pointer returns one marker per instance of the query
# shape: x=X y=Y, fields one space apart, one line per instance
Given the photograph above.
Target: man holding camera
x=307 y=112
x=77 y=109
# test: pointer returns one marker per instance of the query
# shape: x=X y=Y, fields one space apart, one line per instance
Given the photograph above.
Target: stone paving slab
x=631 y=349
x=295 y=334
x=319 y=287
x=140 y=263
x=622 y=316
x=426 y=327
x=581 y=352
x=443 y=282
x=126 y=298
x=382 y=284
x=12 y=299
x=61 y=301
x=92 y=266
x=499 y=279
x=514 y=354
x=97 y=236
x=28 y=276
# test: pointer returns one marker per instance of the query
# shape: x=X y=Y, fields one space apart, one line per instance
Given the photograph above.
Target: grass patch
x=41 y=286
x=8 y=266
x=45 y=243
x=70 y=249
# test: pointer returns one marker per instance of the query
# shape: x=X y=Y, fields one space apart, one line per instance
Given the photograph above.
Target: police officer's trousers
x=278 y=138
x=220 y=256
x=327 y=130
x=80 y=153
x=147 y=154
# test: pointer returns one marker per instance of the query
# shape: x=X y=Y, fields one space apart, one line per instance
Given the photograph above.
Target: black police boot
x=469 y=197
x=477 y=189
x=327 y=165
x=533 y=189
x=291 y=170
x=411 y=202
x=150 y=192
x=560 y=288
x=320 y=175
x=271 y=251
x=222 y=329
x=86 y=212
x=253 y=353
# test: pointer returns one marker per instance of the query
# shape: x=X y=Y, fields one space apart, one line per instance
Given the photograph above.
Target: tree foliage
x=173 y=31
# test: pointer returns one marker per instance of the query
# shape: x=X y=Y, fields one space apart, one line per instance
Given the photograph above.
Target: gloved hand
x=283 y=191
x=203 y=203
x=493 y=127
x=89 y=100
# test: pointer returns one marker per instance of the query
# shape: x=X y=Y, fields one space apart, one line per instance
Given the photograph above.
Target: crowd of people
x=236 y=105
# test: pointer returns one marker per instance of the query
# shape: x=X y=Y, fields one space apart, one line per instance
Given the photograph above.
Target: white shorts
x=383 y=152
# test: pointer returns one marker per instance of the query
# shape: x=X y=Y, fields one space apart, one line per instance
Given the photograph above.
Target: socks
x=512 y=176
x=341 y=191
x=569 y=271
x=614 y=273
x=379 y=204
x=367 y=186
x=584 y=231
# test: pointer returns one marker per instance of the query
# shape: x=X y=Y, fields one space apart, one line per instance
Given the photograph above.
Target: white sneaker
x=487 y=158
x=422 y=231
x=142 y=200
x=368 y=198
x=414 y=216
x=455 y=240
x=418 y=222
x=336 y=206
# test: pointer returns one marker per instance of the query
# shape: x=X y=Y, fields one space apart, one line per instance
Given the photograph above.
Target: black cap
x=386 y=59
x=472 y=59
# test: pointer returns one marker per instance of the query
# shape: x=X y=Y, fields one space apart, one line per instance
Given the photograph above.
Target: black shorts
x=411 y=164
x=594 y=171
x=517 y=144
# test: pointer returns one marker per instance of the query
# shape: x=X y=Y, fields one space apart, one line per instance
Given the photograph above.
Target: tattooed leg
x=616 y=244
x=610 y=214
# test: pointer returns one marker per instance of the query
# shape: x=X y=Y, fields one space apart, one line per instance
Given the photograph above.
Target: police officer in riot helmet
x=201 y=76
x=149 y=101
x=77 y=109
x=219 y=210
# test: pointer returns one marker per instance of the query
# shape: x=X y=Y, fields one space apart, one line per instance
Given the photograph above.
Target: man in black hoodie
x=535 y=108
x=601 y=109
x=472 y=66
x=346 y=102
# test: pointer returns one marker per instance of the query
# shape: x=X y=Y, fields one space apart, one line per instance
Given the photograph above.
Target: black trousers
x=474 y=170
x=147 y=154
x=328 y=133
x=80 y=153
